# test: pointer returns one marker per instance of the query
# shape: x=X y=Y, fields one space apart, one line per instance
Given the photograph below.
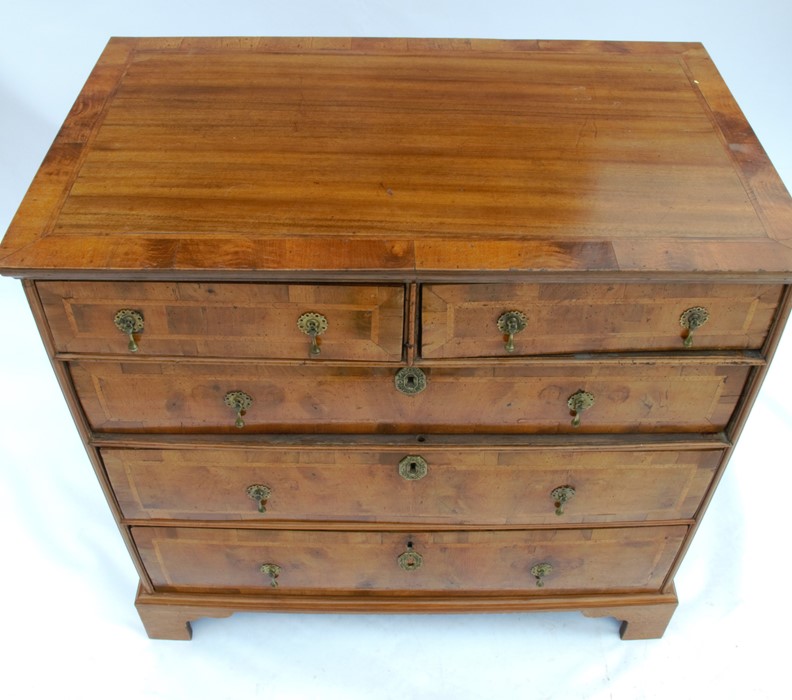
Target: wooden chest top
x=355 y=158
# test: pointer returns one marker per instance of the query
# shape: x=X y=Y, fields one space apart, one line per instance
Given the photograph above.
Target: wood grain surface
x=461 y=320
x=429 y=156
x=222 y=560
x=470 y=486
x=189 y=397
x=227 y=320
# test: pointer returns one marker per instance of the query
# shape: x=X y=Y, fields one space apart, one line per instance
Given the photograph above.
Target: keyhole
x=413 y=468
x=410 y=380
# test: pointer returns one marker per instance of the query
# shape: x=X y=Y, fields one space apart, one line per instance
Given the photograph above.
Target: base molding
x=168 y=615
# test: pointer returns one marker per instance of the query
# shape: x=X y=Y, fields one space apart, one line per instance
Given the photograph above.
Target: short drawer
x=462 y=320
x=192 y=397
x=227 y=320
x=283 y=561
x=467 y=486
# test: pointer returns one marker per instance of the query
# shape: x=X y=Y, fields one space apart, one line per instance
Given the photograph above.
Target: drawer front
x=452 y=486
x=461 y=320
x=225 y=560
x=179 y=397
x=226 y=320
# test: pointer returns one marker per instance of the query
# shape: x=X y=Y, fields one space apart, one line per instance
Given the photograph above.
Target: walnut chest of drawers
x=406 y=325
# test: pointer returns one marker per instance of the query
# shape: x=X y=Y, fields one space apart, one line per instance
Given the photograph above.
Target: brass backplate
x=128 y=321
x=413 y=467
x=410 y=560
x=238 y=400
x=512 y=322
x=580 y=401
x=694 y=318
x=273 y=571
x=410 y=381
x=312 y=323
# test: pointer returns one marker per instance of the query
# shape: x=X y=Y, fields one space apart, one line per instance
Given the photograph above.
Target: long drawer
x=636 y=397
x=462 y=320
x=473 y=485
x=272 y=561
x=227 y=320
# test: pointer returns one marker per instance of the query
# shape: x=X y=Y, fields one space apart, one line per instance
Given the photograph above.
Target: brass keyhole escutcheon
x=410 y=381
x=273 y=571
x=561 y=496
x=692 y=319
x=579 y=401
x=259 y=493
x=540 y=571
x=313 y=324
x=240 y=402
x=129 y=322
x=410 y=560
x=509 y=324
x=413 y=467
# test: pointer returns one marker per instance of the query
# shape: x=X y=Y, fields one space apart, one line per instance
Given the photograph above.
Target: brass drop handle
x=509 y=324
x=313 y=324
x=129 y=322
x=259 y=493
x=240 y=402
x=540 y=571
x=410 y=560
x=273 y=571
x=561 y=495
x=692 y=319
x=579 y=401
x=413 y=467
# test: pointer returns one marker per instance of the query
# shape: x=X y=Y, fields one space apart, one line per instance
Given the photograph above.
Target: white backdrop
x=67 y=584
